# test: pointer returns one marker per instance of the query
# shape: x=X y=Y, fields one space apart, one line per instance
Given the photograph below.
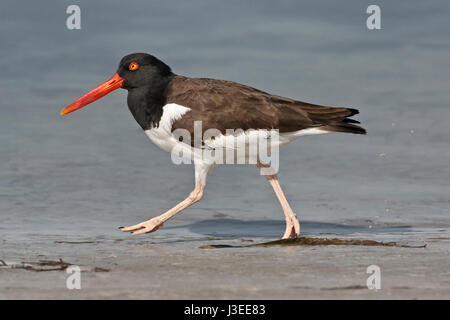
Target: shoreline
x=165 y=268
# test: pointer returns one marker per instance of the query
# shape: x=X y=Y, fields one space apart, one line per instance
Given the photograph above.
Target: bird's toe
x=132 y=228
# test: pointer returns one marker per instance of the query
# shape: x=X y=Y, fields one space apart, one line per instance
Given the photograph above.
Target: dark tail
x=346 y=124
x=335 y=119
x=344 y=127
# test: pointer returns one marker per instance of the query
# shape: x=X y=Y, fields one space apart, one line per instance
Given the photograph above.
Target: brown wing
x=225 y=105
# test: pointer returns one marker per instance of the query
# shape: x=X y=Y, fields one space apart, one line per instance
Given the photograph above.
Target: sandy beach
x=158 y=268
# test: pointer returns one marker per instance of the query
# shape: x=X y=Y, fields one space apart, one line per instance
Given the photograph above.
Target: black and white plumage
x=163 y=102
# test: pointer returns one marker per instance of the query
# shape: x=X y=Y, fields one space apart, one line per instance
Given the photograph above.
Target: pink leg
x=157 y=222
x=292 y=224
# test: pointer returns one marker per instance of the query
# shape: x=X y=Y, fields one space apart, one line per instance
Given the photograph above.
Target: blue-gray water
x=94 y=170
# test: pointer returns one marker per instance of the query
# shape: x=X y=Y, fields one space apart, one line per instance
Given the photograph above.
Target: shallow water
x=94 y=170
x=80 y=177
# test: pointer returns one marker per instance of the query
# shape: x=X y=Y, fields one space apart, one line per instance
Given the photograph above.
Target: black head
x=143 y=70
x=145 y=77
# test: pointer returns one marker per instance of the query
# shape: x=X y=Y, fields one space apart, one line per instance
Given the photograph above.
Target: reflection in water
x=234 y=228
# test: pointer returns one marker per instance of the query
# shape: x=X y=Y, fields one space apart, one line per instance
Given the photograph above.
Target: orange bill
x=112 y=84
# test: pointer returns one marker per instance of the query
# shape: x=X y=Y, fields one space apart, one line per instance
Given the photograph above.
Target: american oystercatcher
x=164 y=103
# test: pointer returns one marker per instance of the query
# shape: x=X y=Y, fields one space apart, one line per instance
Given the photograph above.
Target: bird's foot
x=292 y=227
x=144 y=227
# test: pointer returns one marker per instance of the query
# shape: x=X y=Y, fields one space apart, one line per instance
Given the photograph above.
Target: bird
x=164 y=103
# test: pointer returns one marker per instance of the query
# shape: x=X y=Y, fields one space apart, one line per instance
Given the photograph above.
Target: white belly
x=234 y=148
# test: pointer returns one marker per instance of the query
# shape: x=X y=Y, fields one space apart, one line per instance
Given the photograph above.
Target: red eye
x=133 y=66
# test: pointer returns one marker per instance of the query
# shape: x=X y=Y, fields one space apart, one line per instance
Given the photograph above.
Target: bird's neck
x=146 y=103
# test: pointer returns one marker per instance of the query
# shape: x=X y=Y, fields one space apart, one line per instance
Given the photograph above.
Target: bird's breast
x=162 y=135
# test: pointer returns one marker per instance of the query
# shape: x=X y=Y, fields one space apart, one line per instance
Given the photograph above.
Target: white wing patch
x=171 y=113
x=162 y=135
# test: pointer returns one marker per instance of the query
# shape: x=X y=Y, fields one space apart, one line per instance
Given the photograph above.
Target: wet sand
x=164 y=266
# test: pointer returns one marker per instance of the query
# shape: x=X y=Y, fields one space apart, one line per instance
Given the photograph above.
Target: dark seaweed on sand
x=310 y=241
